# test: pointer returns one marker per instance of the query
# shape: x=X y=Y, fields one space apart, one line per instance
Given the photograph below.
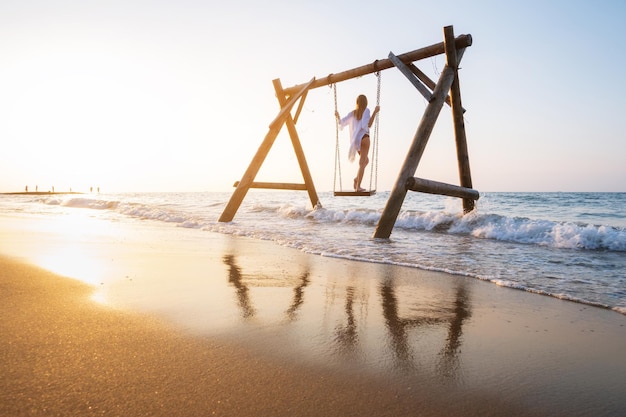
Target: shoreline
x=216 y=323
x=42 y=193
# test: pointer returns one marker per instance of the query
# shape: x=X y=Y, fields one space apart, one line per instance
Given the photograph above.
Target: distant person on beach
x=359 y=121
x=26 y=188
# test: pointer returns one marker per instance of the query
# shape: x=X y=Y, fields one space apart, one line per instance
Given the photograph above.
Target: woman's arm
x=373 y=116
x=345 y=120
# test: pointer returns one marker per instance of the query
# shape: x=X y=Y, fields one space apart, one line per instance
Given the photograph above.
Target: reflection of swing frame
x=450 y=314
x=235 y=278
x=453 y=48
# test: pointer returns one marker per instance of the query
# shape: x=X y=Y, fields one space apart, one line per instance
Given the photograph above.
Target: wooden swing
x=436 y=93
x=373 y=166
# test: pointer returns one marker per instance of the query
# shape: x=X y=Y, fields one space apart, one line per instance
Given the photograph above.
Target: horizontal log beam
x=440 y=188
x=463 y=41
x=275 y=185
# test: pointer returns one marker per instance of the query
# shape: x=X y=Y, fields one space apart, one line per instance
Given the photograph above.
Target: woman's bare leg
x=363 y=161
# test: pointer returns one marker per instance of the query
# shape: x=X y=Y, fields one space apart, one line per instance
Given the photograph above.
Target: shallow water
x=566 y=245
x=456 y=337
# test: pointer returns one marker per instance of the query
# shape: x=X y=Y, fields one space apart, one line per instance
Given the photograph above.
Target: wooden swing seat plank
x=367 y=193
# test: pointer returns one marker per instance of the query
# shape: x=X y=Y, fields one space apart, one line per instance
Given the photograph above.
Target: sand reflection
x=396 y=322
x=243 y=287
x=298 y=297
x=346 y=334
x=235 y=279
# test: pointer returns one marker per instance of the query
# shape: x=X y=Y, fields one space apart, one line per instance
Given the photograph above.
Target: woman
x=359 y=121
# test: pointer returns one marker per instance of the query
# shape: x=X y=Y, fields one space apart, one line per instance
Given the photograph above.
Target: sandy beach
x=63 y=355
x=166 y=323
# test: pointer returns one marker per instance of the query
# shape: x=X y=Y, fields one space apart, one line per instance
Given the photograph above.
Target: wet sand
x=64 y=355
x=237 y=327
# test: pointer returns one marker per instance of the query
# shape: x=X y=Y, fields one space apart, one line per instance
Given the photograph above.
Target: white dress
x=358 y=129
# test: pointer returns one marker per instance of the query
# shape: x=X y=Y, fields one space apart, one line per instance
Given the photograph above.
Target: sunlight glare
x=77 y=250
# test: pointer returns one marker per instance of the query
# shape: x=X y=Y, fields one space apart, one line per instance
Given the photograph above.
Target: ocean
x=571 y=246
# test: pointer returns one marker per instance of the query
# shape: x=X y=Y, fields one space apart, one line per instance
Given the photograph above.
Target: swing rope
x=337 y=158
x=374 y=165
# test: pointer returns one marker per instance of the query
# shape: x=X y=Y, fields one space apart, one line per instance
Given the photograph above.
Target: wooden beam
x=427 y=123
x=440 y=188
x=458 y=119
x=286 y=105
x=242 y=188
x=300 y=105
x=248 y=177
x=276 y=185
x=427 y=81
x=463 y=41
x=297 y=146
x=404 y=69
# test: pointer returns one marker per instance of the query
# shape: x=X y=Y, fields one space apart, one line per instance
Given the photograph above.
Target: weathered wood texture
x=457 y=117
x=297 y=146
x=398 y=193
x=461 y=42
x=440 y=188
x=248 y=177
x=286 y=105
x=427 y=81
x=406 y=71
x=448 y=81
x=425 y=128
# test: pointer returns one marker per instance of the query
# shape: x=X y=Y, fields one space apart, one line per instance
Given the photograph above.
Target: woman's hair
x=361 y=105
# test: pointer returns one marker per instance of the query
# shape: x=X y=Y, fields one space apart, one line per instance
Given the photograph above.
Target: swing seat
x=366 y=193
x=373 y=175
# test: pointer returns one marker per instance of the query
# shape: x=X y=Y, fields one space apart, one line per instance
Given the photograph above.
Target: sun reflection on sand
x=75 y=246
x=99 y=297
x=74 y=261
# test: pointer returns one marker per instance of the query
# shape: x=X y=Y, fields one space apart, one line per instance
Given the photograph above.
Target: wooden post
x=297 y=146
x=465 y=175
x=248 y=177
x=425 y=128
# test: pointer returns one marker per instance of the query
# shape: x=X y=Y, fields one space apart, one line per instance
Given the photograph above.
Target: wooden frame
x=448 y=81
x=446 y=90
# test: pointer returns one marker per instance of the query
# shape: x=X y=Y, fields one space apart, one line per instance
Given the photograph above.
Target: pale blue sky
x=177 y=95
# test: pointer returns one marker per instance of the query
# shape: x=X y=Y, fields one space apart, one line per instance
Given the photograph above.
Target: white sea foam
x=543 y=252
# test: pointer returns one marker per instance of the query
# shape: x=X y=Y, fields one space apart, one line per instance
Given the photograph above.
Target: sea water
x=566 y=245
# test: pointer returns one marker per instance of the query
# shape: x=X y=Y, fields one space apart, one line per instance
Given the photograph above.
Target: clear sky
x=177 y=95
